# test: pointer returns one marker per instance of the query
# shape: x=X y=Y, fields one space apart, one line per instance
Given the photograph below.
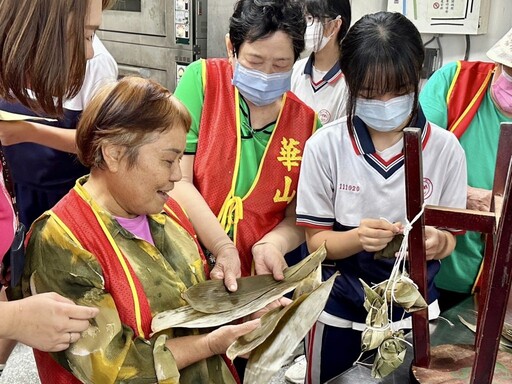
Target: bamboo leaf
x=371 y=297
x=190 y=317
x=248 y=342
x=212 y=296
x=404 y=293
x=390 y=355
x=297 y=320
x=390 y=249
x=505 y=342
x=309 y=284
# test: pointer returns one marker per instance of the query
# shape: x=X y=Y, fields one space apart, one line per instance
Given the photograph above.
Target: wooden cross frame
x=497 y=273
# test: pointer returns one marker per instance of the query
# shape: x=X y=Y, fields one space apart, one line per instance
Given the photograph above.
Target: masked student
x=317 y=79
x=481 y=92
x=351 y=191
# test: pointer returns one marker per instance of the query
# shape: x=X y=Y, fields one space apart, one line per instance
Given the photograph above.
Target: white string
x=379 y=329
x=400 y=259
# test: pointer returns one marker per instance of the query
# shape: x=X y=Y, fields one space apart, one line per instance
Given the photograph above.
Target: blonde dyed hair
x=128 y=113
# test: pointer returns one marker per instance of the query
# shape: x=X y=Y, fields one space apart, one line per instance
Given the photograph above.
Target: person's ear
x=336 y=25
x=112 y=155
x=229 y=48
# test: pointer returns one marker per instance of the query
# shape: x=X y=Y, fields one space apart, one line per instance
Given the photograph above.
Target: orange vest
x=466 y=93
x=78 y=216
x=217 y=159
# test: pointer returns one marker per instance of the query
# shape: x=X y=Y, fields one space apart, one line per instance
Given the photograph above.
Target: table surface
x=441 y=332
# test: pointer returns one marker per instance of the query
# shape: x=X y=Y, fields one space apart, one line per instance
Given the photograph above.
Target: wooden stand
x=464 y=364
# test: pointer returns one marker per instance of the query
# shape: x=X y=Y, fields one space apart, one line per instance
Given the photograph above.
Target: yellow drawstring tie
x=231 y=213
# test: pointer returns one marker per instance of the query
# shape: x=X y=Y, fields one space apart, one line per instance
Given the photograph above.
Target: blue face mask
x=385 y=116
x=261 y=88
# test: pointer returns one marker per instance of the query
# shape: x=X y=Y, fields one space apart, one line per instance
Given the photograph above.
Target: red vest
x=217 y=159
x=466 y=93
x=76 y=214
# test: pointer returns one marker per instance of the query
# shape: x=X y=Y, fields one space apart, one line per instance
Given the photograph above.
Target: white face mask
x=314 y=37
x=385 y=116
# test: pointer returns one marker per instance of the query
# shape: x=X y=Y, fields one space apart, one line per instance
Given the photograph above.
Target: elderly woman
x=244 y=149
x=107 y=244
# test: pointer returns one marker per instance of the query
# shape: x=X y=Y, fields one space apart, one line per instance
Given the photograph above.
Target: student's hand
x=375 y=234
x=438 y=243
x=227 y=267
x=219 y=340
x=268 y=259
x=479 y=199
x=48 y=321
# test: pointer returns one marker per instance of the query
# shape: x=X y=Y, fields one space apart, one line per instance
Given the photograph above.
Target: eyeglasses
x=311 y=19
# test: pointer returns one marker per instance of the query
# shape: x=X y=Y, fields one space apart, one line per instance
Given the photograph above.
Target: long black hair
x=255 y=19
x=382 y=52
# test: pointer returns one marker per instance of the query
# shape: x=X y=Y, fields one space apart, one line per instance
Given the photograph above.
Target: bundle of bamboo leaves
x=210 y=304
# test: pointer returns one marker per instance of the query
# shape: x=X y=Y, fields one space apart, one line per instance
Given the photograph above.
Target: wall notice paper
x=8 y=116
x=445 y=16
x=447 y=9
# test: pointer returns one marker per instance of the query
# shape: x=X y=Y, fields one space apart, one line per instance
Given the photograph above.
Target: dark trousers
x=449 y=299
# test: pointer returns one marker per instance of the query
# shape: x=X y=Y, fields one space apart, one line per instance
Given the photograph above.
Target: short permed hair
x=256 y=19
x=127 y=113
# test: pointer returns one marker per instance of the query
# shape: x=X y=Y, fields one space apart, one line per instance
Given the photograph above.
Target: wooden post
x=414 y=201
x=492 y=310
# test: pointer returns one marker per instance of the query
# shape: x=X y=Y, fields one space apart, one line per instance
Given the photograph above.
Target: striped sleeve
x=315 y=196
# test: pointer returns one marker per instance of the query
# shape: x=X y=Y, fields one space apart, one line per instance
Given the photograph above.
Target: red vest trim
x=78 y=219
x=466 y=93
x=217 y=160
x=175 y=212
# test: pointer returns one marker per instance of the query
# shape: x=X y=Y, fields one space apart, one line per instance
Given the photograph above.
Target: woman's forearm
x=15 y=132
x=188 y=350
x=286 y=236
x=61 y=139
x=6 y=325
x=206 y=225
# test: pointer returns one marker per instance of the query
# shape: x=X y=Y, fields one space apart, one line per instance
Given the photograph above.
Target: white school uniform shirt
x=343 y=179
x=325 y=92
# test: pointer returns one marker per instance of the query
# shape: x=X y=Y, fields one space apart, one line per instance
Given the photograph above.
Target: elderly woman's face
x=142 y=188
x=270 y=55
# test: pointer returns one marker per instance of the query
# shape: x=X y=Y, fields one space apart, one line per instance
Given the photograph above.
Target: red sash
x=466 y=93
x=218 y=153
x=129 y=297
